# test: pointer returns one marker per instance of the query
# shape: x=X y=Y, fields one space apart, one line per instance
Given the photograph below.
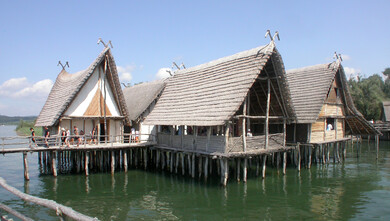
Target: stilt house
x=384 y=126
x=323 y=106
x=140 y=100
x=232 y=105
x=87 y=99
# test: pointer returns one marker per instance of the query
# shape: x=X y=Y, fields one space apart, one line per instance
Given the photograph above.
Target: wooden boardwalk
x=84 y=147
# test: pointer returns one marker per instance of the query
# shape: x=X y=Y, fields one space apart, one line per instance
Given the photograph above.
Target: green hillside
x=6 y=120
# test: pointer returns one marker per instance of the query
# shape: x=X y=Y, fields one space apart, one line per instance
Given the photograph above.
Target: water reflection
x=325 y=192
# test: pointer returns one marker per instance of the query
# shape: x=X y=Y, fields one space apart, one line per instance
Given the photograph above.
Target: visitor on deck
x=67 y=140
x=47 y=135
x=249 y=133
x=76 y=135
x=63 y=137
x=33 y=142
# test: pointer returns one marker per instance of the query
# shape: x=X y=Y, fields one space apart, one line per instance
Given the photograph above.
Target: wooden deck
x=86 y=147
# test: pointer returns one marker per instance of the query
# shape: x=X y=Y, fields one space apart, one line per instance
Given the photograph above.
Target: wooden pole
x=86 y=163
x=284 y=162
x=267 y=113
x=245 y=170
x=243 y=126
x=25 y=162
x=299 y=156
x=264 y=165
x=112 y=162
x=54 y=164
x=193 y=166
x=238 y=169
x=377 y=146
x=205 y=170
x=125 y=160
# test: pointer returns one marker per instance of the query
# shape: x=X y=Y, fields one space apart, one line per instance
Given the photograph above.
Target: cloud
x=345 y=57
x=40 y=89
x=125 y=73
x=19 y=96
x=351 y=72
x=21 y=88
x=164 y=73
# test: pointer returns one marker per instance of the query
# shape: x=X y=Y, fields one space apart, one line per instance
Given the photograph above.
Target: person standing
x=67 y=141
x=76 y=135
x=33 y=142
x=63 y=137
x=47 y=135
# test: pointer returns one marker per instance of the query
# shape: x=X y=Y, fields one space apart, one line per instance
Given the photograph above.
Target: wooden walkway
x=85 y=147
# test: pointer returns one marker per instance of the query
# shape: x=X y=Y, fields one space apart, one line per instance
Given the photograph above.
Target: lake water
x=358 y=189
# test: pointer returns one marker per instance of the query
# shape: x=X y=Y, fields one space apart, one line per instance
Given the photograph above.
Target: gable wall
x=87 y=93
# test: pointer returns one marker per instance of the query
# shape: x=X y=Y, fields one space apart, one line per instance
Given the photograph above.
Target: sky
x=147 y=36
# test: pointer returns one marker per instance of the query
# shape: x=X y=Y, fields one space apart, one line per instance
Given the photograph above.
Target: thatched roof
x=139 y=97
x=386 y=111
x=211 y=93
x=309 y=87
x=68 y=85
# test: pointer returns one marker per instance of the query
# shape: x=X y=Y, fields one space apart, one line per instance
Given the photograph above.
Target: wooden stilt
x=182 y=164
x=299 y=157
x=86 y=163
x=145 y=158
x=205 y=169
x=377 y=145
x=245 y=170
x=310 y=153
x=54 y=163
x=257 y=166
x=189 y=164
x=171 y=162
x=264 y=165
x=125 y=160
x=112 y=162
x=25 y=162
x=284 y=162
x=193 y=166
x=200 y=166
x=238 y=162
x=176 y=162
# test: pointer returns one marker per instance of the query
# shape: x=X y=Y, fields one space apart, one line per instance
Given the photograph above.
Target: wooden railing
x=74 y=141
x=382 y=126
x=190 y=142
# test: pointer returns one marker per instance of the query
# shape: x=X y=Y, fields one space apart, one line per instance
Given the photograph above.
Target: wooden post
x=243 y=125
x=208 y=138
x=86 y=163
x=177 y=161
x=284 y=162
x=310 y=153
x=112 y=162
x=205 y=170
x=264 y=165
x=182 y=164
x=145 y=158
x=267 y=113
x=227 y=130
x=125 y=160
x=54 y=164
x=377 y=145
x=193 y=166
x=238 y=169
x=299 y=156
x=25 y=162
x=245 y=170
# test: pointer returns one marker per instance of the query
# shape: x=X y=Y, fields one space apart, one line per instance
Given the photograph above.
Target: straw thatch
x=210 y=94
x=68 y=85
x=139 y=97
x=386 y=111
x=309 y=87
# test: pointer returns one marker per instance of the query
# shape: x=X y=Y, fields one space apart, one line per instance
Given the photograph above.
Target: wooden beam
x=243 y=126
x=267 y=113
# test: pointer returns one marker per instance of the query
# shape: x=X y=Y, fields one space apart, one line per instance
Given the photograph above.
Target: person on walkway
x=76 y=135
x=93 y=136
x=33 y=141
x=47 y=136
x=82 y=137
x=63 y=137
x=67 y=141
